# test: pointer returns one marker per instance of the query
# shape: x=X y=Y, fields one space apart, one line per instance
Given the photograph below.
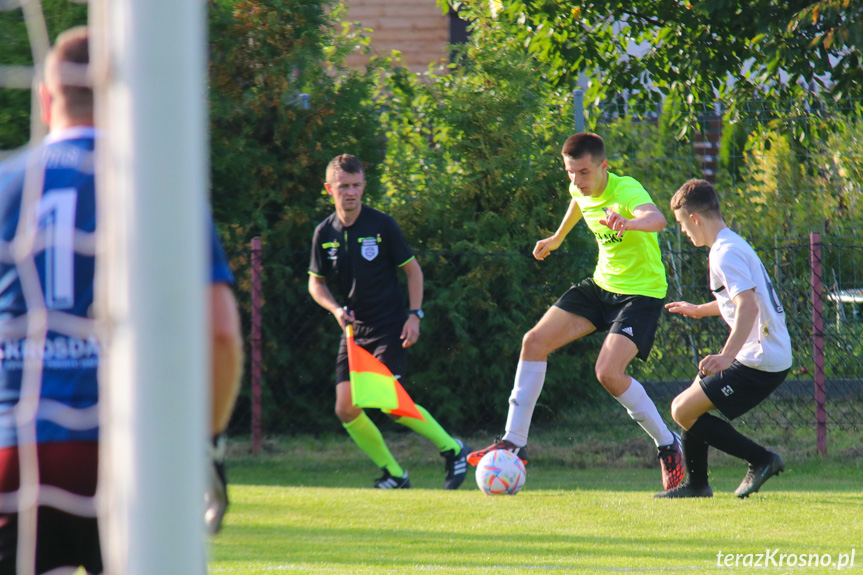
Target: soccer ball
x=500 y=472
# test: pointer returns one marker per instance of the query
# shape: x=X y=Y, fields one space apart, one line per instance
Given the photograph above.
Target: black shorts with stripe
x=736 y=390
x=383 y=342
x=632 y=316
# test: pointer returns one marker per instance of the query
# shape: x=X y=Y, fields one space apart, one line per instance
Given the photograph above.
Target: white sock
x=643 y=411
x=529 y=378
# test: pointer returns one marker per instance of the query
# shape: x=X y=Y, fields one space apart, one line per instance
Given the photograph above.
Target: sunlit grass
x=305 y=507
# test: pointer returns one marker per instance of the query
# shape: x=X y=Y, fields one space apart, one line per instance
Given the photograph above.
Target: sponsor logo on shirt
x=57 y=353
x=611 y=238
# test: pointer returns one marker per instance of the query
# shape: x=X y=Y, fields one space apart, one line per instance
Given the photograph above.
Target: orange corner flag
x=373 y=385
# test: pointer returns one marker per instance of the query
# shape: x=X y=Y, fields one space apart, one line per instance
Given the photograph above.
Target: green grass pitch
x=308 y=509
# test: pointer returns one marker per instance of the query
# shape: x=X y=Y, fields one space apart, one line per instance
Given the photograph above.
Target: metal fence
x=292 y=353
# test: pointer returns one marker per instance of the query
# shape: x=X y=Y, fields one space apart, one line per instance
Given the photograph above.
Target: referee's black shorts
x=383 y=342
x=63 y=539
x=736 y=390
x=632 y=316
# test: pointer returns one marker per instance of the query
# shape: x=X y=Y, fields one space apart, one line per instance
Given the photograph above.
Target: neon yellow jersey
x=631 y=265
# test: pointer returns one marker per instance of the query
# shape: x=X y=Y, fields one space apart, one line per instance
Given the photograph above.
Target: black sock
x=695 y=454
x=721 y=435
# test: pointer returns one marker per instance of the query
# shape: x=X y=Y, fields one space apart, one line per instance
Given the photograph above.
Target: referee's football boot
x=671 y=459
x=455 y=465
x=758 y=474
x=387 y=481
x=499 y=443
x=686 y=490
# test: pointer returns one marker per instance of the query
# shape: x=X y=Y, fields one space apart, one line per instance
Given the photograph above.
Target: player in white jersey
x=753 y=362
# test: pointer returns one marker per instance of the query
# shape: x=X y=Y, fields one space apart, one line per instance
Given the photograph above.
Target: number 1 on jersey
x=57 y=220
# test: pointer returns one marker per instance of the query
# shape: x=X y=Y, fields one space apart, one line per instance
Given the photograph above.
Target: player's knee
x=532 y=344
x=601 y=375
x=347 y=413
x=611 y=379
x=527 y=340
x=680 y=414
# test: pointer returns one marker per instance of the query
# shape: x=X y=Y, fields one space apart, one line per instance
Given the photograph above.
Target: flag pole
x=349 y=334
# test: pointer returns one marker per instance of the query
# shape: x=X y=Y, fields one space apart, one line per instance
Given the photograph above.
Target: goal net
x=148 y=71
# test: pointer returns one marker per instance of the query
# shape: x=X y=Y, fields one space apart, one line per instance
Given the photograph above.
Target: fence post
x=818 y=342
x=256 y=345
x=578 y=109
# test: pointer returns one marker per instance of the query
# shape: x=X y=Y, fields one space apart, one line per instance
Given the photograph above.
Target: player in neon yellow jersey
x=623 y=297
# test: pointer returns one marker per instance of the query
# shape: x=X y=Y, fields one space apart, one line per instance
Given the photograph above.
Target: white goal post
x=149 y=70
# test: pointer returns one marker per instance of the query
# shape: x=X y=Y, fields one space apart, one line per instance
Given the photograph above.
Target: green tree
x=15 y=105
x=269 y=155
x=692 y=51
x=269 y=151
x=835 y=28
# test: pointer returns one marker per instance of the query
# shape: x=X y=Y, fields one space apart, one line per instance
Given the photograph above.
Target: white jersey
x=735 y=268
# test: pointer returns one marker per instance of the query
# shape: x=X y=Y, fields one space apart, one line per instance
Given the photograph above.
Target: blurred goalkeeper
x=49 y=191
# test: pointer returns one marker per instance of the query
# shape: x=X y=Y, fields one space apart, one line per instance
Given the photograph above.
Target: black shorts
x=632 y=316
x=736 y=390
x=63 y=539
x=384 y=343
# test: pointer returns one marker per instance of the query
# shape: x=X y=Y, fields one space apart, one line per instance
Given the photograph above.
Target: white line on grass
x=450 y=568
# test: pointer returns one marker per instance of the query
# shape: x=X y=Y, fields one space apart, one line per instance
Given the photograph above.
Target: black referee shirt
x=362 y=260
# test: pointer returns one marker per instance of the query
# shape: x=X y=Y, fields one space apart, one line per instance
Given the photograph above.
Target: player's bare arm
x=549 y=244
x=411 y=329
x=692 y=310
x=646 y=218
x=323 y=297
x=744 y=319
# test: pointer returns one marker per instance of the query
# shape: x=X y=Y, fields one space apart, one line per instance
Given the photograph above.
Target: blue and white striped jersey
x=65 y=215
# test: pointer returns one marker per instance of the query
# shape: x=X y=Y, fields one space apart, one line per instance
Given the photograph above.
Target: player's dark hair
x=582 y=144
x=345 y=163
x=697 y=197
x=72 y=47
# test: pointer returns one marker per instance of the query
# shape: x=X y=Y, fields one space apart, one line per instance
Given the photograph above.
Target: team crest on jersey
x=369 y=249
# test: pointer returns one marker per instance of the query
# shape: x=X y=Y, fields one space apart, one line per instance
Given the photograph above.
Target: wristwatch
x=417 y=312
